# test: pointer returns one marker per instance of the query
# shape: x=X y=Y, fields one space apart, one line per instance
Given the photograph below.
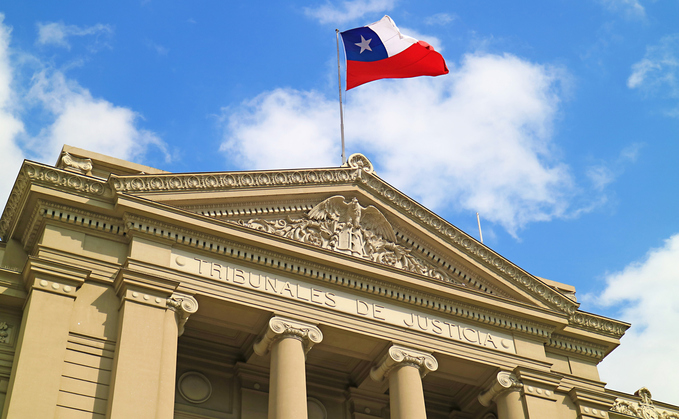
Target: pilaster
x=151 y=316
x=42 y=338
x=539 y=392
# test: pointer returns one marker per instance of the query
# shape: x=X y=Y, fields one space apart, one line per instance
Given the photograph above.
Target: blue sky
x=558 y=123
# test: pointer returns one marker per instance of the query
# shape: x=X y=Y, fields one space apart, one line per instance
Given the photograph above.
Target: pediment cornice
x=357 y=174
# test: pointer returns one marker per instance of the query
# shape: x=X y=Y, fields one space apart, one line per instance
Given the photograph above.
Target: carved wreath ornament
x=349 y=228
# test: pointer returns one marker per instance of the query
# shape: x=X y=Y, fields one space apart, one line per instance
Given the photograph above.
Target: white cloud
x=440 y=19
x=646 y=290
x=630 y=8
x=284 y=128
x=431 y=40
x=57 y=33
x=478 y=139
x=75 y=118
x=159 y=49
x=603 y=174
x=84 y=121
x=348 y=10
x=659 y=69
x=10 y=125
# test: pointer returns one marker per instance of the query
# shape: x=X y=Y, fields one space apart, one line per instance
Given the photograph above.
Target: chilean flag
x=380 y=51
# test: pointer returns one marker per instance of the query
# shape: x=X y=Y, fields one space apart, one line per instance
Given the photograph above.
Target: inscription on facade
x=288 y=288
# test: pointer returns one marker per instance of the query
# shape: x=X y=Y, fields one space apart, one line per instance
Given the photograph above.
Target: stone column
x=151 y=317
x=288 y=341
x=36 y=376
x=405 y=368
x=506 y=394
x=180 y=307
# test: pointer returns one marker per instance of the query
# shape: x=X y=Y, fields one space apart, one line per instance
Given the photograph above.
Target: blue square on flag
x=363 y=44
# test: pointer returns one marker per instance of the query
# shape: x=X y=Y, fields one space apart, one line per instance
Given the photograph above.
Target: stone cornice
x=234 y=180
x=74 y=216
x=577 y=346
x=36 y=173
x=270 y=260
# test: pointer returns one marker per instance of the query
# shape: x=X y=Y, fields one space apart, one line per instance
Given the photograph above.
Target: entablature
x=356 y=176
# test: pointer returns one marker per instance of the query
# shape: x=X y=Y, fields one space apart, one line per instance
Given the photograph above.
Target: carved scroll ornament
x=400 y=355
x=347 y=227
x=184 y=306
x=643 y=409
x=280 y=327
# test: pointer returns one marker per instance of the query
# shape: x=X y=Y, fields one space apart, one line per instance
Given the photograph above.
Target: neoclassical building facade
x=130 y=292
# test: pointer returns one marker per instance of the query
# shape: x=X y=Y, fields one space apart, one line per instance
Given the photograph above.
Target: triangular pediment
x=348 y=210
x=345 y=220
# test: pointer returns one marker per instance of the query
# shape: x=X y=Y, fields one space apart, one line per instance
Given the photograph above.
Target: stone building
x=130 y=292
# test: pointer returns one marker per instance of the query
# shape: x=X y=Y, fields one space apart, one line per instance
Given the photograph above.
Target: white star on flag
x=364 y=44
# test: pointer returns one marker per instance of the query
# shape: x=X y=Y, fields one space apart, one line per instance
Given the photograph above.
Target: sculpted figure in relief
x=349 y=228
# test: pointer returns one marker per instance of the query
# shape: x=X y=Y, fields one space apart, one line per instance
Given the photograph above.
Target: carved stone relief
x=5 y=333
x=643 y=409
x=347 y=227
x=76 y=164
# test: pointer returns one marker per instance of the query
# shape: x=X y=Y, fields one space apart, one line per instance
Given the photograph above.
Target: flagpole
x=339 y=80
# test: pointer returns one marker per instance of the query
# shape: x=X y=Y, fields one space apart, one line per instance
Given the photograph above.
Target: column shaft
x=406 y=397
x=288 y=341
x=145 y=363
x=405 y=368
x=135 y=383
x=168 y=366
x=287 y=382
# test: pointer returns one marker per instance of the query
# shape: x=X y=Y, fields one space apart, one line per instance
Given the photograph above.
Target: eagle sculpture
x=368 y=218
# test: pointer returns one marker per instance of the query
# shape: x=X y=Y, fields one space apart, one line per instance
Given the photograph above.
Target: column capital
x=504 y=381
x=183 y=305
x=401 y=355
x=282 y=327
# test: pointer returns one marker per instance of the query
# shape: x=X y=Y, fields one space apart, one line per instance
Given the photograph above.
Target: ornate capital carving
x=183 y=305
x=504 y=381
x=282 y=327
x=400 y=355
